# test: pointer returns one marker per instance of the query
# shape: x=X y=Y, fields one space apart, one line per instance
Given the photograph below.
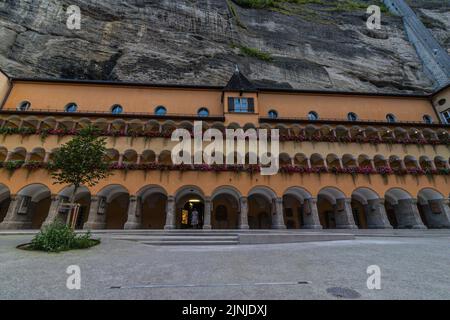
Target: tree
x=81 y=161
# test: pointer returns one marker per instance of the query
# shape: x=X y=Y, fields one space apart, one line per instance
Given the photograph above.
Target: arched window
x=391 y=118
x=203 y=112
x=160 y=111
x=352 y=116
x=71 y=107
x=24 y=106
x=427 y=119
x=313 y=116
x=273 y=114
x=116 y=109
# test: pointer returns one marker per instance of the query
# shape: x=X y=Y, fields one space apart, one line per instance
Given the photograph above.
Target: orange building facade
x=347 y=160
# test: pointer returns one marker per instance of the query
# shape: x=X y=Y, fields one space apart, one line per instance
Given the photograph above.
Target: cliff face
x=311 y=45
x=435 y=15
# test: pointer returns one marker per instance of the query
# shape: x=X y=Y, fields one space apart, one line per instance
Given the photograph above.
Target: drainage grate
x=345 y=293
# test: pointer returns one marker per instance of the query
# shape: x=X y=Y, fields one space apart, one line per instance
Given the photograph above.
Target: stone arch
x=402 y=210
x=60 y=213
x=110 y=210
x=101 y=124
x=3 y=154
x=333 y=161
x=261 y=201
x=29 y=208
x=48 y=123
x=334 y=209
x=5 y=200
x=300 y=209
x=225 y=208
x=188 y=198
x=433 y=208
x=368 y=210
x=151 y=208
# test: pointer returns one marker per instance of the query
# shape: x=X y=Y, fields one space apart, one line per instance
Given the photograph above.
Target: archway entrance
x=83 y=198
x=293 y=212
x=225 y=208
x=432 y=208
x=335 y=211
x=191 y=214
x=401 y=206
x=259 y=213
x=5 y=201
x=153 y=212
x=368 y=210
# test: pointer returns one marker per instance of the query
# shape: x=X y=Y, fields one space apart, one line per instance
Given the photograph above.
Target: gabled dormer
x=240 y=95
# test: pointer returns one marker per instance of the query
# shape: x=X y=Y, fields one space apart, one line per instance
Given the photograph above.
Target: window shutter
x=230 y=104
x=251 y=105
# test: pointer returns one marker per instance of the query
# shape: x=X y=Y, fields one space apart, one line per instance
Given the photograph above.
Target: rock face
x=304 y=46
x=435 y=15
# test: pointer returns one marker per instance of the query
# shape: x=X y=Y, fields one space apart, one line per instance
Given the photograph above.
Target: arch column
x=344 y=215
x=376 y=215
x=15 y=219
x=437 y=213
x=207 y=214
x=311 y=214
x=134 y=220
x=243 y=213
x=97 y=217
x=170 y=213
x=408 y=214
x=277 y=214
x=53 y=212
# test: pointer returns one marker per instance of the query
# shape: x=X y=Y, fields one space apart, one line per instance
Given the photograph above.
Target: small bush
x=58 y=237
x=255 y=53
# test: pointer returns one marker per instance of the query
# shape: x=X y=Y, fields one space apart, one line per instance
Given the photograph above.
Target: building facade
x=347 y=160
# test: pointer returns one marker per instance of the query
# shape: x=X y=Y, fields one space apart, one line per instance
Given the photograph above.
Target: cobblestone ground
x=411 y=268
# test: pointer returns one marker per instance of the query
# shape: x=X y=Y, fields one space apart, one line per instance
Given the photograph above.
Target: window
x=24 y=106
x=241 y=105
x=71 y=107
x=446 y=116
x=203 y=112
x=273 y=114
x=160 y=111
x=427 y=119
x=313 y=116
x=391 y=118
x=352 y=116
x=116 y=109
x=442 y=102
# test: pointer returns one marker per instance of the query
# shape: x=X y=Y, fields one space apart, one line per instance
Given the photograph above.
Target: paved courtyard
x=413 y=267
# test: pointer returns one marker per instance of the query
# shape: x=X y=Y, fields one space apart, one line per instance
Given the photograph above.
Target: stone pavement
x=414 y=265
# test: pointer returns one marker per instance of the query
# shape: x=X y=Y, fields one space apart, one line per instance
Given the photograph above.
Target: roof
x=239 y=82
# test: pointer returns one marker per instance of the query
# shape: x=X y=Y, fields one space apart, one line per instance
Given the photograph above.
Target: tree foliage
x=81 y=161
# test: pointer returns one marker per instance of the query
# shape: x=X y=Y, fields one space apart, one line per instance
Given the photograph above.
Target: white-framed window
x=273 y=114
x=446 y=116
x=391 y=118
x=116 y=109
x=352 y=116
x=312 y=115
x=241 y=105
x=203 y=112
x=71 y=107
x=24 y=106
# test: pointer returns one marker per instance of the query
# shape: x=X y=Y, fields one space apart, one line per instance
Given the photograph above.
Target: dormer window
x=273 y=114
x=241 y=105
x=391 y=118
x=160 y=111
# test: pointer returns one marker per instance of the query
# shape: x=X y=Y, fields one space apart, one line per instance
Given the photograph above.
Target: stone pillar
x=170 y=213
x=407 y=214
x=17 y=217
x=243 y=213
x=277 y=215
x=343 y=214
x=372 y=164
x=437 y=213
x=207 y=214
x=47 y=157
x=311 y=214
x=53 y=212
x=97 y=214
x=134 y=220
x=376 y=215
